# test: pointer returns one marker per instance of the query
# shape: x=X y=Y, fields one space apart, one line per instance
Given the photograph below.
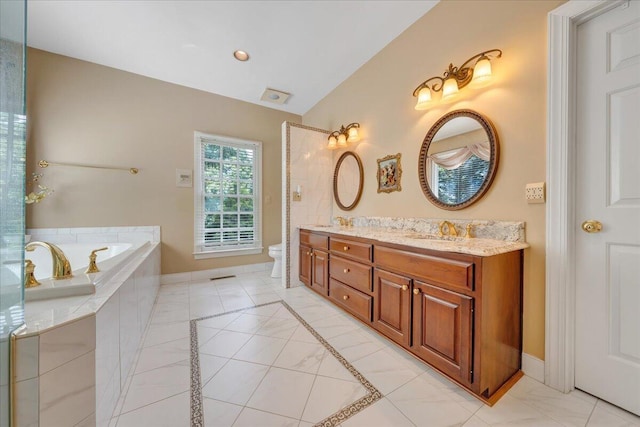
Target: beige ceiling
x=306 y=48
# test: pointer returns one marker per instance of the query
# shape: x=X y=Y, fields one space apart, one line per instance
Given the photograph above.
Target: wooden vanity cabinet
x=460 y=313
x=305 y=265
x=392 y=309
x=442 y=330
x=350 y=272
x=314 y=261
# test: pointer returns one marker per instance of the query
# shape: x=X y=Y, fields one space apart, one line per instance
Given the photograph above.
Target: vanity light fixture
x=340 y=138
x=455 y=78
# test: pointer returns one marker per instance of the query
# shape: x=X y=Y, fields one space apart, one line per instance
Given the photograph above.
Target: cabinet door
x=304 y=270
x=320 y=271
x=392 y=306
x=442 y=330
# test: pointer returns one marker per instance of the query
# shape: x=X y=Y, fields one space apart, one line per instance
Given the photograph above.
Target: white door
x=608 y=191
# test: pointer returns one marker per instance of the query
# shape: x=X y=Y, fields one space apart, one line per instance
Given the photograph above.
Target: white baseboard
x=172 y=279
x=533 y=367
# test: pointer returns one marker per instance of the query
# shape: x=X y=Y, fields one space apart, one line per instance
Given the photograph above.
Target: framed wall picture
x=389 y=174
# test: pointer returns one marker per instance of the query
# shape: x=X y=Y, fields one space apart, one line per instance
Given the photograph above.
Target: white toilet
x=275 y=252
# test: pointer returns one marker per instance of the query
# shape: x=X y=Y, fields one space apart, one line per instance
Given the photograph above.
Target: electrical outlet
x=535 y=192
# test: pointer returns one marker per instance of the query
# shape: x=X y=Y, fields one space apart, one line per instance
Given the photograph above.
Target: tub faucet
x=61 y=266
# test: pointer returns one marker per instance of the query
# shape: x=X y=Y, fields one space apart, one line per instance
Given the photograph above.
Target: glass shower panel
x=12 y=178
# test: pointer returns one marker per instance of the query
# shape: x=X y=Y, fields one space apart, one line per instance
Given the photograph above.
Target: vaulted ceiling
x=305 y=48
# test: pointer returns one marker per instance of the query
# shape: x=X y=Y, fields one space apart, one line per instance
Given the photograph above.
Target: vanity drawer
x=317 y=241
x=352 y=249
x=352 y=273
x=454 y=273
x=357 y=303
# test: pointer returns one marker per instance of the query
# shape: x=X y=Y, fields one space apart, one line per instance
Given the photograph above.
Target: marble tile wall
x=73 y=374
x=107 y=355
x=96 y=234
x=306 y=162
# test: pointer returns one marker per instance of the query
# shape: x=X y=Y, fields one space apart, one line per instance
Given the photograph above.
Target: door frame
x=561 y=224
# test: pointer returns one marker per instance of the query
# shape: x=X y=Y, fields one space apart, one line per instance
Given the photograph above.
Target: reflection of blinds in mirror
x=458 y=182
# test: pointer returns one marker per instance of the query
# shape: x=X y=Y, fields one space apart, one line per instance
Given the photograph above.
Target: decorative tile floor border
x=197 y=415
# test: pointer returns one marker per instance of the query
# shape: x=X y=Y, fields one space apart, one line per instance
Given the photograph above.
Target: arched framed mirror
x=348 y=180
x=458 y=159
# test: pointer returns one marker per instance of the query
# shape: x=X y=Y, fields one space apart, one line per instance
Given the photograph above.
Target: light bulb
x=342 y=140
x=450 y=88
x=353 y=134
x=332 y=143
x=482 y=71
x=424 y=99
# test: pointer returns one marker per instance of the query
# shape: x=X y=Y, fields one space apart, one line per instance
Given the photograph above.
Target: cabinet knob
x=405 y=287
x=308 y=253
x=346 y=270
x=416 y=291
x=345 y=297
x=346 y=248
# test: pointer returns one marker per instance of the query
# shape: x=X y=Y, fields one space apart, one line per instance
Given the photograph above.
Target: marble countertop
x=414 y=239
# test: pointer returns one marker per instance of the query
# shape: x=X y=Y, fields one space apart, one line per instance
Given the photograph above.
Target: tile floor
x=262 y=366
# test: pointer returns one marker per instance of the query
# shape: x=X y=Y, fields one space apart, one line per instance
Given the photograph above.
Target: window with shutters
x=227 y=196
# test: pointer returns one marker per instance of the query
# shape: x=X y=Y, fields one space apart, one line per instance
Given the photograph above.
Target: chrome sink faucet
x=61 y=266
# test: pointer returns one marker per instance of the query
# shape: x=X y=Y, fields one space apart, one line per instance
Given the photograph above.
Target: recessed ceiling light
x=241 y=55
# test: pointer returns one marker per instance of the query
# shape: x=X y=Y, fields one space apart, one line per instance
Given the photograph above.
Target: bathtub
x=109 y=262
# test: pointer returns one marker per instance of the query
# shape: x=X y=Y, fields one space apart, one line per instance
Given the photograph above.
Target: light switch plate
x=184 y=178
x=535 y=193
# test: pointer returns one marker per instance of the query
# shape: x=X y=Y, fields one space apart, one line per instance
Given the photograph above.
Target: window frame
x=200 y=251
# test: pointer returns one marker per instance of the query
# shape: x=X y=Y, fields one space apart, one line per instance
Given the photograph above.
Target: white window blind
x=227 y=196
x=458 y=184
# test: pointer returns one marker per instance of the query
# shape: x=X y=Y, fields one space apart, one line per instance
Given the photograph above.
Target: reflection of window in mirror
x=458 y=159
x=459 y=182
x=458 y=165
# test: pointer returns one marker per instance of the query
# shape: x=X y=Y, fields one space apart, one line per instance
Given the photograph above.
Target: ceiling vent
x=275 y=96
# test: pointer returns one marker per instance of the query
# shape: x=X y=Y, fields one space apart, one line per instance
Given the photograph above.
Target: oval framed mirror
x=458 y=159
x=348 y=180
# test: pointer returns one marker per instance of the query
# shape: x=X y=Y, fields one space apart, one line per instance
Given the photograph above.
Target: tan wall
x=81 y=112
x=378 y=96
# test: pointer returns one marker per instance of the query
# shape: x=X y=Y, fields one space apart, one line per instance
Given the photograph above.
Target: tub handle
x=93 y=268
x=29 y=278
